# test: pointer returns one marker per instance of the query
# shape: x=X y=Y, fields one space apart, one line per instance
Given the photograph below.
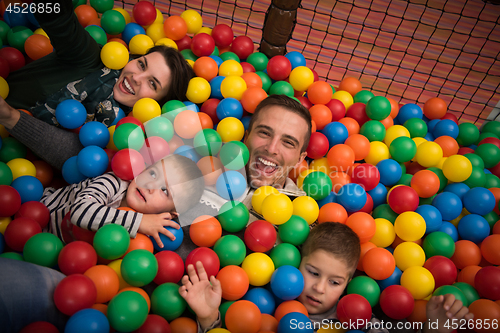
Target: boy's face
x=149 y=193
x=325 y=278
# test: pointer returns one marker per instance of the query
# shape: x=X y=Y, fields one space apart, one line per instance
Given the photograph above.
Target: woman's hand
x=154 y=224
x=8 y=115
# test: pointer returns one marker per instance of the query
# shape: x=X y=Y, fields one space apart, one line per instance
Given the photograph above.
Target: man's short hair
x=289 y=104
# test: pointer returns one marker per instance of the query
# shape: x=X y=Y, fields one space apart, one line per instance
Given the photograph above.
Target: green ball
x=317 y=185
x=363 y=96
x=486 y=135
x=403 y=168
x=477 y=178
x=189 y=55
x=378 y=108
x=469 y=292
x=234 y=155
x=285 y=254
x=426 y=201
x=223 y=309
x=492 y=127
x=405 y=179
x=101 y=6
x=127 y=311
x=438 y=243
x=491 y=180
x=385 y=211
x=97 y=33
x=491 y=218
x=233 y=216
x=294 y=231
x=215 y=52
x=366 y=287
x=12 y=255
x=77 y=3
x=489 y=153
x=11 y=149
x=172 y=108
x=373 y=130
x=229 y=56
x=43 y=249
x=160 y=126
x=4 y=30
x=281 y=88
x=111 y=241
x=258 y=60
x=475 y=160
x=402 y=149
x=17 y=36
x=166 y=301
x=417 y=127
x=207 y=142
x=128 y=135
x=443 y=290
x=443 y=181
x=468 y=133
x=5 y=174
x=113 y=22
x=266 y=81
x=139 y=267
x=231 y=250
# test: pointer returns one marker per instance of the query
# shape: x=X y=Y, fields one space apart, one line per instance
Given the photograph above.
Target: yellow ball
x=429 y=154
x=40 y=31
x=111 y=143
x=384 y=233
x=419 y=282
x=167 y=42
x=344 y=97
x=205 y=30
x=230 y=68
x=259 y=195
x=218 y=330
x=21 y=167
x=114 y=55
x=159 y=17
x=198 y=90
x=4 y=222
x=155 y=32
x=259 y=268
x=441 y=162
x=4 y=88
x=410 y=226
x=277 y=208
x=190 y=62
x=307 y=208
x=320 y=164
x=233 y=86
x=116 y=266
x=193 y=20
x=409 y=254
x=378 y=152
x=395 y=132
x=301 y=78
x=146 y=109
x=457 y=168
x=231 y=129
x=125 y=14
x=140 y=44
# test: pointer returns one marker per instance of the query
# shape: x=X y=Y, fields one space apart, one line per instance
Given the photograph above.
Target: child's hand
x=445 y=309
x=153 y=225
x=8 y=115
x=202 y=295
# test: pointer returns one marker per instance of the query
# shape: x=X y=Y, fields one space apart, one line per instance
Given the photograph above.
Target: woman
x=74 y=70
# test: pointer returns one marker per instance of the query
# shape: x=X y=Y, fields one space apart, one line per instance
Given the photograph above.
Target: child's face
x=325 y=278
x=149 y=193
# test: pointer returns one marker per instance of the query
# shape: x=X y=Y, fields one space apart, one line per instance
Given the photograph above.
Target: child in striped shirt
x=162 y=191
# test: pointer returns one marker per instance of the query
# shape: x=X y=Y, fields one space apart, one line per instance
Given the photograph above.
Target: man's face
x=274 y=143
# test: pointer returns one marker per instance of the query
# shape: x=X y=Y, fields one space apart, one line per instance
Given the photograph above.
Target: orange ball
x=252 y=80
x=269 y=323
x=467 y=253
x=363 y=225
x=426 y=183
x=359 y=144
x=320 y=92
x=398 y=241
x=394 y=108
x=351 y=85
x=379 y=263
x=468 y=274
x=206 y=68
x=85 y=14
x=205 y=231
x=205 y=120
x=496 y=194
x=106 y=282
x=351 y=124
x=252 y=97
x=37 y=46
x=490 y=249
x=435 y=108
x=339 y=179
x=243 y=317
x=187 y=124
x=119 y=40
x=211 y=168
x=289 y=306
x=234 y=282
x=175 y=143
x=332 y=212
x=387 y=122
x=313 y=126
x=295 y=172
x=321 y=115
x=448 y=145
x=496 y=228
x=365 y=247
x=101 y=307
x=484 y=311
x=175 y=27
x=419 y=312
x=140 y=241
x=141 y=292
x=183 y=325
x=44 y=172
x=341 y=157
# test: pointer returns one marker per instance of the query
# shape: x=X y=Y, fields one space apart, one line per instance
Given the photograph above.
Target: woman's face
x=147 y=76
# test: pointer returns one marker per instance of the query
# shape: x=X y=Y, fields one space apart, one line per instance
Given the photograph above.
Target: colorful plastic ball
x=144 y=13
x=14 y=57
x=127 y=164
x=384 y=233
x=403 y=199
x=207 y=257
x=243 y=317
x=396 y=302
x=76 y=257
x=354 y=309
x=262 y=298
x=449 y=204
x=205 y=231
x=468 y=134
x=425 y=183
x=87 y=320
x=408 y=111
x=442 y=269
x=230 y=129
x=409 y=226
x=139 y=267
x=154 y=324
x=113 y=22
x=366 y=287
x=21 y=167
x=473 y=227
x=37 y=46
x=39 y=327
x=74 y=293
x=131 y=30
x=301 y=77
x=439 y=243
x=366 y=175
x=394 y=279
x=277 y=208
x=28 y=187
x=42 y=249
x=446 y=127
x=281 y=88
x=489 y=249
x=231 y=185
x=70 y=171
x=435 y=108
x=168 y=244
x=285 y=254
x=260 y=236
x=231 y=250
x=486 y=282
x=127 y=311
x=363 y=225
x=432 y=216
x=409 y=254
x=17 y=36
x=317 y=185
x=447 y=289
x=479 y=200
x=374 y=130
x=233 y=216
x=193 y=20
x=336 y=133
x=106 y=281
x=202 y=45
x=97 y=33
x=294 y=231
x=402 y=149
x=34 y=210
x=260 y=195
x=92 y=161
x=287 y=282
x=111 y=241
x=234 y=155
x=378 y=263
x=279 y=68
x=467 y=253
x=242 y=46
x=378 y=108
x=229 y=107
x=234 y=282
x=223 y=35
x=259 y=268
x=490 y=154
x=5 y=174
x=207 y=142
x=94 y=133
x=71 y=114
x=352 y=197
x=390 y=171
x=170 y=267
x=295 y=322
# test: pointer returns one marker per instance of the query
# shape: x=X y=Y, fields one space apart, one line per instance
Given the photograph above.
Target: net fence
x=407 y=50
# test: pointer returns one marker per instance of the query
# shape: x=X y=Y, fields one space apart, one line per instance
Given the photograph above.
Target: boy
x=329 y=259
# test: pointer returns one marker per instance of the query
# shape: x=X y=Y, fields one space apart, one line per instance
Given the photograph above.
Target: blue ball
x=2 y=243
x=335 y=132
x=263 y=298
x=429 y=136
x=87 y=321
x=479 y=200
x=231 y=185
x=331 y=197
x=70 y=171
x=449 y=229
x=352 y=197
x=245 y=121
x=229 y=107
x=92 y=161
x=390 y=172
x=378 y=194
x=217 y=59
x=168 y=244
x=32 y=19
x=71 y=114
x=408 y=111
x=432 y=216
x=215 y=84
x=191 y=106
x=295 y=322
x=458 y=188
x=473 y=227
x=29 y=188
x=287 y=282
x=189 y=152
x=296 y=59
x=132 y=29
x=395 y=278
x=449 y=204
x=118 y=117
x=445 y=127
x=432 y=124
x=94 y=133
x=16 y=18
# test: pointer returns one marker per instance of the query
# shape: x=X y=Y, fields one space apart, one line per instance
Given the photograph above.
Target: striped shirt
x=92 y=203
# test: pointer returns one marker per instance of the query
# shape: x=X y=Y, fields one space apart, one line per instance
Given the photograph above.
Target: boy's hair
x=289 y=104
x=335 y=238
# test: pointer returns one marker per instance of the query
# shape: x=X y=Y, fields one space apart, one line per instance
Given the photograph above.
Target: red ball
x=76 y=258
x=247 y=67
x=154 y=149
x=368 y=207
x=223 y=35
x=170 y=267
x=396 y=302
x=36 y=211
x=366 y=175
x=130 y=119
x=242 y=46
x=354 y=309
x=450 y=116
x=442 y=269
x=494 y=141
x=465 y=150
x=10 y=201
x=18 y=232
x=183 y=43
x=14 y=57
x=260 y=236
x=202 y=45
x=39 y=327
x=4 y=68
x=318 y=146
x=279 y=68
x=127 y=164
x=357 y=111
x=208 y=258
x=154 y=324
x=210 y=107
x=337 y=108
x=403 y=199
x=305 y=102
x=83 y=234
x=144 y=13
x=74 y=293
x=487 y=282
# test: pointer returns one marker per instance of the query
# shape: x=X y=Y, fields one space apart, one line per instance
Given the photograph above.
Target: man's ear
x=301 y=158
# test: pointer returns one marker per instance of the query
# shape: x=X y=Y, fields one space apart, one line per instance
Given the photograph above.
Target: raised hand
x=444 y=313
